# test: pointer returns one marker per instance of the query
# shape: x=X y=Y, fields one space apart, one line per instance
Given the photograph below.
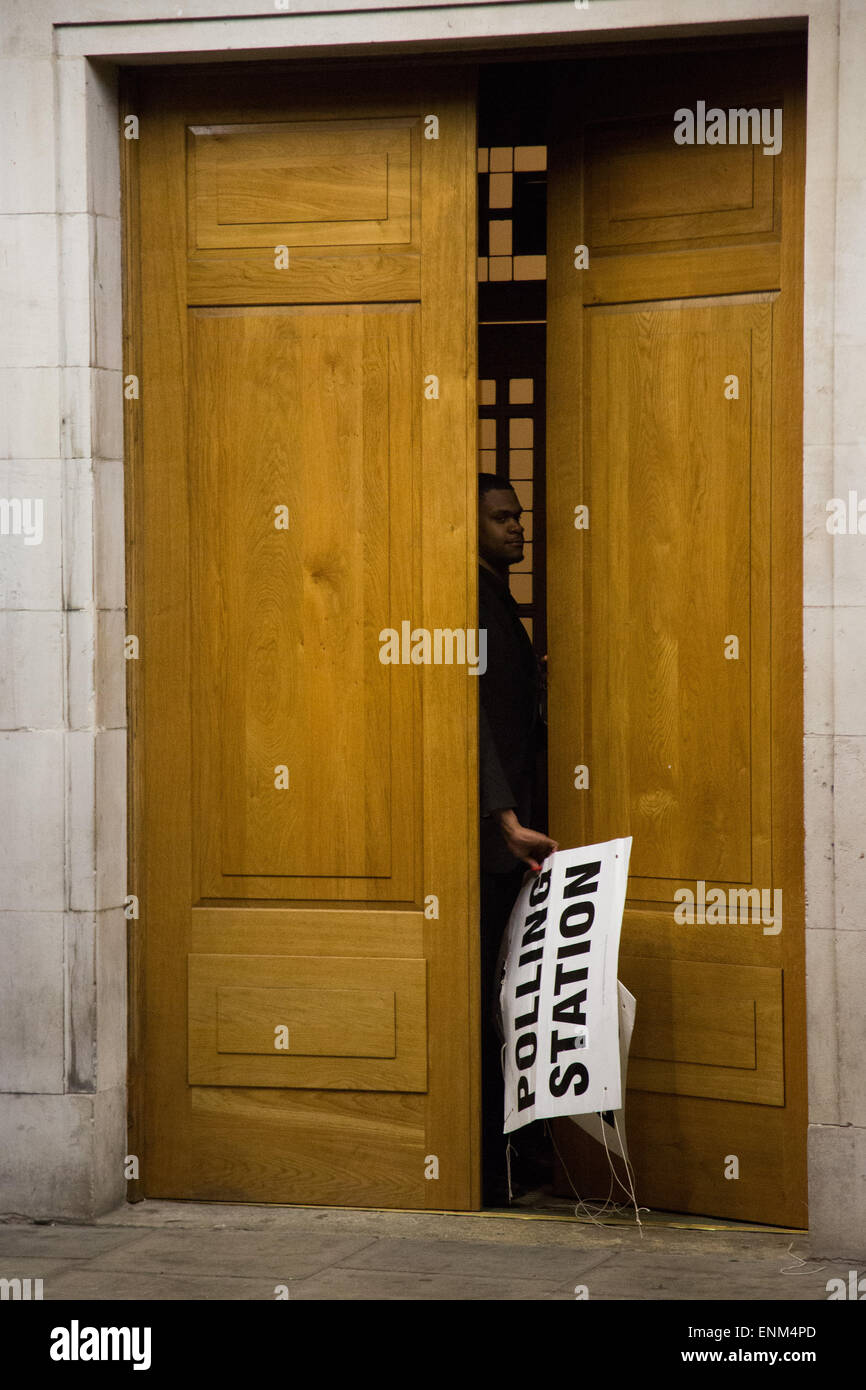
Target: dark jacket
x=511 y=728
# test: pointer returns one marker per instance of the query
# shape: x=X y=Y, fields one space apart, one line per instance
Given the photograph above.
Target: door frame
x=132 y=446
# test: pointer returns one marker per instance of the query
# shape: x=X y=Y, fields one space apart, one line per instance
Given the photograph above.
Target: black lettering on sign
x=540 y=889
x=560 y=1084
x=535 y=927
x=529 y=986
x=566 y=977
x=577 y=948
x=570 y=1011
x=577 y=919
x=527 y=1040
x=525 y=1097
x=580 y=885
x=558 y=1045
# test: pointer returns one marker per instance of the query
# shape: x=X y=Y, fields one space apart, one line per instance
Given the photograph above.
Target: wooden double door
x=301 y=324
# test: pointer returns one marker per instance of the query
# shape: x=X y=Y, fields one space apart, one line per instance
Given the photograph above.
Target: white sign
x=608 y=1126
x=559 y=991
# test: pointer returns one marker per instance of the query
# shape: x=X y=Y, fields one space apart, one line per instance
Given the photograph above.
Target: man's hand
x=529 y=845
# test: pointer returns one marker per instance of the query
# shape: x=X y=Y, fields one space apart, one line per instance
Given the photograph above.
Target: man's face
x=500 y=534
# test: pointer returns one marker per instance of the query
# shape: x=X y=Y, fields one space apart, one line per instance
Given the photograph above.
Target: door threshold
x=546 y=1208
x=549 y=1208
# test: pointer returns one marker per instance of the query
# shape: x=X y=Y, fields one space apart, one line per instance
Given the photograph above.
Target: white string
x=592 y=1208
x=508 y=1145
x=618 y=1208
x=607 y=1205
x=629 y=1171
x=799 y=1267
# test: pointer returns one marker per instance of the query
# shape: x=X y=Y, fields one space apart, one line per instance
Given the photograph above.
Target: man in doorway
x=511 y=739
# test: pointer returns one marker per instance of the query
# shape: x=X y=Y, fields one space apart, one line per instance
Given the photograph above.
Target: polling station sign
x=559 y=993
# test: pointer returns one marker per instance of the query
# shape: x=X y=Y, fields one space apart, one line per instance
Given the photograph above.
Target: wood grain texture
x=302 y=931
x=287 y=619
x=316 y=277
x=680 y=486
x=447 y=599
x=318 y=1022
x=667 y=274
x=301 y=184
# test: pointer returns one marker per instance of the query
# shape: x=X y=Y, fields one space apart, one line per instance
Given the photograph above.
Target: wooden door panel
x=317 y=276
x=694 y=285
x=351 y=1024
x=341 y=1022
x=301 y=184
x=338 y=1148
x=679 y=489
x=287 y=618
x=305 y=816
x=308 y=930
x=680 y=1150
x=646 y=275
x=643 y=189
x=339 y=200
x=706 y=1029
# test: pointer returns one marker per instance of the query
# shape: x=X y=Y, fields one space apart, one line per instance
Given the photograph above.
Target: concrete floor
x=197 y=1251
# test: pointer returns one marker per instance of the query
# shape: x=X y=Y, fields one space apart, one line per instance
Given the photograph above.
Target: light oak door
x=674 y=604
x=300 y=298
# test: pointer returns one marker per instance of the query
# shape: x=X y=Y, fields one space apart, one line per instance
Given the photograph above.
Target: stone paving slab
x=62 y=1242
x=276 y=1256
x=488 y=1260
x=31 y=1267
x=89 y=1284
x=353 y=1285
x=638 y=1275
